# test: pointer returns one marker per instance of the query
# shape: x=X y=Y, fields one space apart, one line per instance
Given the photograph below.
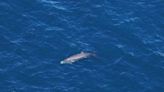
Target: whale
x=77 y=57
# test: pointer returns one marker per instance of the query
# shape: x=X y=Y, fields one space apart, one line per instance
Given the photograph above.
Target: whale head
x=62 y=62
x=66 y=62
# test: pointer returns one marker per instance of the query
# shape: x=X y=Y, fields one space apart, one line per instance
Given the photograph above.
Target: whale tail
x=90 y=53
x=93 y=54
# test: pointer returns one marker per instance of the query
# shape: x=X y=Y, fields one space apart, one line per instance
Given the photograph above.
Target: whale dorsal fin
x=82 y=52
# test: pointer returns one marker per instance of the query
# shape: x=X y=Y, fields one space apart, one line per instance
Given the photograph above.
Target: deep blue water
x=126 y=35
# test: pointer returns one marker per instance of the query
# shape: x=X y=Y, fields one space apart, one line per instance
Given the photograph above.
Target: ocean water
x=126 y=35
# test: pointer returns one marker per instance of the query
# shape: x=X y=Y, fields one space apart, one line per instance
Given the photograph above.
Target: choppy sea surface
x=126 y=35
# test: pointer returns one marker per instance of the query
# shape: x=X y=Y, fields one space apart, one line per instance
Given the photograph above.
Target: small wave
x=54 y=4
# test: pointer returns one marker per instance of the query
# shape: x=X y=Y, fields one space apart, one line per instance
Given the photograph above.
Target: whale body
x=76 y=57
